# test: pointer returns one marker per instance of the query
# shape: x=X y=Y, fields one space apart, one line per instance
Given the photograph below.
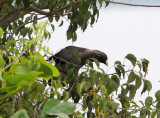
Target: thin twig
x=128 y=4
x=76 y=80
x=124 y=71
x=13 y=106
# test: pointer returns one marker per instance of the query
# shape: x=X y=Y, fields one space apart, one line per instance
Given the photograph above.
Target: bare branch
x=39 y=10
x=128 y=4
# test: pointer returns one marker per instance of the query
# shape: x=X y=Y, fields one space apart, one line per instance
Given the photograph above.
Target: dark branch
x=15 y=14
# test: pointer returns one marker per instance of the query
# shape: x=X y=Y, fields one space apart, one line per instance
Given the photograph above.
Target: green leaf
x=118 y=71
x=51 y=103
x=61 y=23
x=132 y=59
x=100 y=2
x=74 y=38
x=158 y=106
x=96 y=61
x=21 y=70
x=14 y=79
x=80 y=87
x=143 y=112
x=56 y=108
x=116 y=80
x=113 y=105
x=57 y=17
x=147 y=86
x=132 y=93
x=80 y=19
x=117 y=63
x=53 y=28
x=52 y=5
x=24 y=31
x=148 y=101
x=48 y=69
x=131 y=77
x=20 y=114
x=10 y=43
x=1 y=32
x=157 y=95
x=107 y=3
x=69 y=35
x=2 y=62
x=122 y=70
x=27 y=19
x=145 y=63
x=153 y=114
x=138 y=82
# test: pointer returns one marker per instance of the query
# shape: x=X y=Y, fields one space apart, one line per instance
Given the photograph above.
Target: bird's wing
x=78 y=49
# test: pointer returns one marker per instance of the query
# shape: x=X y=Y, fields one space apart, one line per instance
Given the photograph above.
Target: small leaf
x=113 y=105
x=1 y=32
x=96 y=61
x=57 y=17
x=157 y=95
x=80 y=87
x=20 y=114
x=148 y=101
x=118 y=71
x=53 y=28
x=131 y=77
x=132 y=93
x=132 y=58
x=143 y=112
x=117 y=63
x=158 y=106
x=69 y=35
x=145 y=63
x=122 y=70
x=27 y=19
x=147 y=86
x=52 y=5
x=107 y=3
x=138 y=82
x=100 y=2
x=153 y=114
x=24 y=31
x=61 y=23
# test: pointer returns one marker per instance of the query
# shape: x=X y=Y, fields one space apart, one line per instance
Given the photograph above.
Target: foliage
x=24 y=72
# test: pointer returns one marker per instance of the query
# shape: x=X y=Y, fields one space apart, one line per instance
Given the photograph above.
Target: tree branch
x=128 y=4
x=124 y=71
x=15 y=14
x=3 y=2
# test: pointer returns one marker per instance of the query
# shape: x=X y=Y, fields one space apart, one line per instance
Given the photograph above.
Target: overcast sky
x=121 y=30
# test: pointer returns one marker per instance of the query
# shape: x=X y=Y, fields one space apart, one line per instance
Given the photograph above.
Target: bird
x=68 y=55
x=69 y=60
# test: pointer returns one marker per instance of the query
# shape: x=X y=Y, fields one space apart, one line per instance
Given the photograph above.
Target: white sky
x=119 y=31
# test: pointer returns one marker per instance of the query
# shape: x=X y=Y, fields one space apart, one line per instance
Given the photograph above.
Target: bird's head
x=101 y=57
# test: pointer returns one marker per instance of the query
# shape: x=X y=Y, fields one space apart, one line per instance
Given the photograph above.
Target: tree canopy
x=24 y=71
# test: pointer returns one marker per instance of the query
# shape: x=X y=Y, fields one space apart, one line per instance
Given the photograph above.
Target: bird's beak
x=107 y=62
